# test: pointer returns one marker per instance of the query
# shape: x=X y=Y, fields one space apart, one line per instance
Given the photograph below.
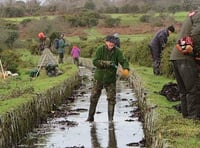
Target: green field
x=132 y=19
x=180 y=16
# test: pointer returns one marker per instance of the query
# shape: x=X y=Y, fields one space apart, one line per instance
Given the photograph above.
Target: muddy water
x=66 y=126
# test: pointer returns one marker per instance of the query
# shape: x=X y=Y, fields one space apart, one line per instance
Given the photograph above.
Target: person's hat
x=116 y=35
x=41 y=35
x=171 y=28
x=62 y=35
x=111 y=39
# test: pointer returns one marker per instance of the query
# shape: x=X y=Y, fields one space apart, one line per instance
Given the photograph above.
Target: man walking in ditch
x=106 y=59
x=186 y=65
x=157 y=45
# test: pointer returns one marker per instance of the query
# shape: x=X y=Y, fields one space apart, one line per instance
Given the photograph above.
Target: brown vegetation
x=123 y=30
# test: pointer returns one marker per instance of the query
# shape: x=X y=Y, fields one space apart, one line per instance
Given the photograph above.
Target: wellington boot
x=111 y=108
x=91 y=113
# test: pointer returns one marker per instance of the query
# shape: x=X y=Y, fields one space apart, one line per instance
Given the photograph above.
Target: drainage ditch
x=66 y=127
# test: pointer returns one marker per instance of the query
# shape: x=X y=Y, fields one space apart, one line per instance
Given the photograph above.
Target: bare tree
x=9 y=2
x=33 y=6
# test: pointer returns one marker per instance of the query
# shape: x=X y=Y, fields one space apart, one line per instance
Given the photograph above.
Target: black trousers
x=61 y=56
x=187 y=76
x=156 y=60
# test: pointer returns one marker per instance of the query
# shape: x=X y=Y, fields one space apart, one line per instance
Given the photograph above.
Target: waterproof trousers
x=60 y=58
x=156 y=60
x=76 y=61
x=187 y=75
x=94 y=98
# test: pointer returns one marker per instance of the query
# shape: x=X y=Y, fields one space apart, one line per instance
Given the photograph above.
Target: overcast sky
x=27 y=0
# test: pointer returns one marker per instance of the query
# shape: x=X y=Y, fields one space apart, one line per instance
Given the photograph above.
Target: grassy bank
x=14 y=91
x=177 y=131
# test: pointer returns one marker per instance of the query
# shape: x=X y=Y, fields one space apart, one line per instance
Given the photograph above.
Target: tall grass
x=177 y=131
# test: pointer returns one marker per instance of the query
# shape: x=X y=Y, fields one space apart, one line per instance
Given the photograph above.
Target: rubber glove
x=124 y=73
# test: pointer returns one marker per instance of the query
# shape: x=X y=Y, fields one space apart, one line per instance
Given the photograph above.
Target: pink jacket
x=75 y=52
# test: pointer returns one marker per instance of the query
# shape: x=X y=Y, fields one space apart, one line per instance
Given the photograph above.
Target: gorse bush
x=145 y=18
x=84 y=19
x=166 y=65
x=24 y=22
x=10 y=60
x=139 y=53
x=111 y=22
x=12 y=37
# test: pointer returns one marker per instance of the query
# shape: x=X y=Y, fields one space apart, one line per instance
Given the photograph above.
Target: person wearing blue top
x=61 y=48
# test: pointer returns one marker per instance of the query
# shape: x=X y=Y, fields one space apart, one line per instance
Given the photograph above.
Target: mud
x=66 y=126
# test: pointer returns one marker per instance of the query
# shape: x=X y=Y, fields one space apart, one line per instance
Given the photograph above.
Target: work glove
x=124 y=72
x=188 y=49
x=105 y=64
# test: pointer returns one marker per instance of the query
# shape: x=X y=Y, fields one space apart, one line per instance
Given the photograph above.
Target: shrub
x=84 y=19
x=10 y=60
x=11 y=11
x=111 y=22
x=145 y=18
x=166 y=65
x=138 y=52
x=12 y=37
x=25 y=21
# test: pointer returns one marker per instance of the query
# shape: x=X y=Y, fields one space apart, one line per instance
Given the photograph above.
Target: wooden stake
x=2 y=70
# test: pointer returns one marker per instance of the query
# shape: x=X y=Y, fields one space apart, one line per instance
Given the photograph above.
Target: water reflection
x=112 y=142
x=94 y=138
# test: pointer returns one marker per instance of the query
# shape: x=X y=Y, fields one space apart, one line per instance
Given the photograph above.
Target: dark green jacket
x=61 y=46
x=190 y=27
x=105 y=73
x=185 y=31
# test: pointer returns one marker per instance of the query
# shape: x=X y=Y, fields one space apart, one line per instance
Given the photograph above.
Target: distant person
x=41 y=36
x=42 y=39
x=117 y=44
x=47 y=43
x=157 y=44
x=75 y=53
x=61 y=48
x=106 y=60
x=185 y=58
